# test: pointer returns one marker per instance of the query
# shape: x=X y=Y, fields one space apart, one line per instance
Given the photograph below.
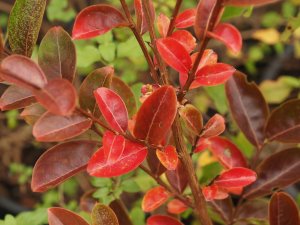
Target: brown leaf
x=103 y=215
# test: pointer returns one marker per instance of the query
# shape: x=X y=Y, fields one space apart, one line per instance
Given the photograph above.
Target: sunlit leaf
x=112 y=108
x=154 y=198
x=185 y=38
x=155 y=165
x=60 y=216
x=96 y=20
x=60 y=163
x=55 y=128
x=213 y=192
x=174 y=54
x=192 y=118
x=156 y=115
x=168 y=157
x=57 y=56
x=176 y=207
x=214 y=127
x=162 y=220
x=186 y=19
x=277 y=171
x=103 y=215
x=248 y=107
x=163 y=23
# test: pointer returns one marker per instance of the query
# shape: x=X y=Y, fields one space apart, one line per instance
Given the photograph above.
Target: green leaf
x=271 y=19
x=59 y=10
x=108 y=51
x=105 y=38
x=232 y=12
x=87 y=55
x=209 y=172
x=12 y=118
x=101 y=193
x=24 y=25
x=36 y=217
x=217 y=94
x=10 y=220
x=130 y=186
x=137 y=216
x=101 y=182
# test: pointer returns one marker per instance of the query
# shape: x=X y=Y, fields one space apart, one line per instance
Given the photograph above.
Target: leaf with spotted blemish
x=60 y=216
x=103 y=215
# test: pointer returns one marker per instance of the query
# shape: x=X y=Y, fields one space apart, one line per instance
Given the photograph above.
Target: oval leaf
x=186 y=19
x=283 y=210
x=235 y=178
x=24 y=24
x=154 y=198
x=229 y=35
x=141 y=23
x=213 y=192
x=163 y=23
x=16 y=98
x=277 y=171
x=192 y=118
x=174 y=54
x=57 y=55
x=112 y=108
x=162 y=220
x=284 y=123
x=122 y=156
x=32 y=113
x=154 y=164
x=177 y=178
x=96 y=20
x=23 y=72
x=251 y=120
x=103 y=215
x=186 y=39
x=168 y=157
x=176 y=207
x=60 y=163
x=58 y=97
x=55 y=128
x=249 y=2
x=214 y=127
x=156 y=115
x=60 y=216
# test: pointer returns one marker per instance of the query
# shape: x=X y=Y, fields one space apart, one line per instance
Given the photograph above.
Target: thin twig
x=174 y=16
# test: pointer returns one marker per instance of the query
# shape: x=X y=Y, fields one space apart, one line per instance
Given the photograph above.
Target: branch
x=174 y=16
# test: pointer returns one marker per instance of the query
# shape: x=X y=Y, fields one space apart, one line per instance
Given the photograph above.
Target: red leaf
x=177 y=178
x=213 y=192
x=60 y=163
x=141 y=23
x=22 y=71
x=192 y=118
x=176 y=207
x=203 y=15
x=235 y=191
x=154 y=198
x=156 y=115
x=229 y=35
x=112 y=108
x=224 y=150
x=163 y=23
x=236 y=177
x=186 y=19
x=168 y=157
x=96 y=20
x=174 y=54
x=212 y=75
x=58 y=97
x=55 y=128
x=32 y=113
x=162 y=220
x=15 y=98
x=249 y=2
x=60 y=216
x=117 y=157
x=154 y=164
x=185 y=38
x=214 y=127
x=283 y=210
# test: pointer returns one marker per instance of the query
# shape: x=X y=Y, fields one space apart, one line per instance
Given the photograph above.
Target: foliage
x=98 y=127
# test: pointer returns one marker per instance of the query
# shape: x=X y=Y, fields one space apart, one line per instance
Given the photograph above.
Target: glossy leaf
x=58 y=97
x=154 y=198
x=60 y=216
x=248 y=107
x=22 y=71
x=96 y=20
x=60 y=163
x=177 y=178
x=284 y=123
x=163 y=23
x=141 y=23
x=112 y=108
x=212 y=75
x=174 y=54
x=283 y=210
x=32 y=113
x=176 y=207
x=214 y=127
x=229 y=35
x=24 y=25
x=162 y=220
x=103 y=215
x=186 y=39
x=203 y=15
x=249 y=2
x=236 y=177
x=186 y=19
x=117 y=158
x=213 y=192
x=168 y=157
x=277 y=171
x=16 y=98
x=156 y=115
x=101 y=77
x=57 y=55
x=55 y=128
x=192 y=118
